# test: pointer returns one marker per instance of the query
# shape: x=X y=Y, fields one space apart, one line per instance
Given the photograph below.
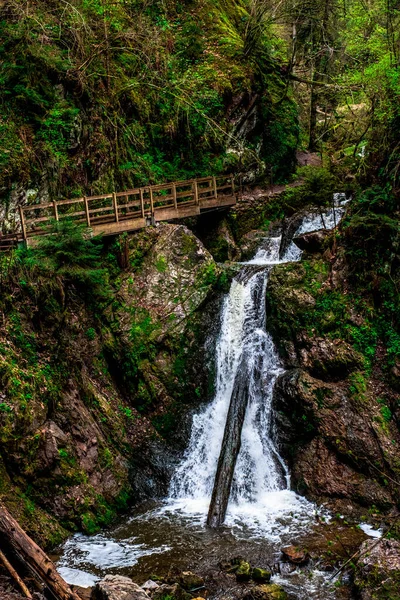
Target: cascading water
x=246 y=358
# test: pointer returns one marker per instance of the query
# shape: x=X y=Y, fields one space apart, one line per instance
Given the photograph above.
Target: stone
x=150 y=585
x=295 y=555
x=243 y=572
x=116 y=587
x=312 y=242
x=378 y=569
x=271 y=591
x=261 y=575
x=190 y=581
x=174 y=590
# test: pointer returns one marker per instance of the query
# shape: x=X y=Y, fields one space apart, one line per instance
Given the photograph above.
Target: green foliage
x=141 y=108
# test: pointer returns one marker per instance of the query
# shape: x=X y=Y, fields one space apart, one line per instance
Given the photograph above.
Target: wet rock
x=295 y=555
x=270 y=591
x=175 y=590
x=116 y=587
x=190 y=581
x=313 y=242
x=51 y=438
x=335 y=444
x=378 y=573
x=330 y=359
x=150 y=585
x=243 y=572
x=261 y=575
x=175 y=277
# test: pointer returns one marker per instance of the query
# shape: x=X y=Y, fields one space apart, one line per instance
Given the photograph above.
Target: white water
x=261 y=498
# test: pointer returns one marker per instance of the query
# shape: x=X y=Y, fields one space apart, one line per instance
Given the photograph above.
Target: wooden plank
x=132 y=215
x=217 y=203
x=195 y=192
x=36 y=206
x=174 y=196
x=115 y=204
x=215 y=186
x=151 y=201
x=142 y=202
x=92 y=211
x=55 y=210
x=67 y=202
x=129 y=192
x=87 y=211
x=21 y=216
x=113 y=227
x=38 y=220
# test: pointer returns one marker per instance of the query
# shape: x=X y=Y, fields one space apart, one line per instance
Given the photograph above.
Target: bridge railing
x=137 y=203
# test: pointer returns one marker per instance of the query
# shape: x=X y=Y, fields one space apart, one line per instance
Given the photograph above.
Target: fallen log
x=15 y=575
x=230 y=448
x=33 y=556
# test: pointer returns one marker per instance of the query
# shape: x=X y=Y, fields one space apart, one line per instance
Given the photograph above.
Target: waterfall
x=247 y=363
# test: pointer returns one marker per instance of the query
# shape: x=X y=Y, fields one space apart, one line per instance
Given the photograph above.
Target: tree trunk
x=230 y=449
x=33 y=556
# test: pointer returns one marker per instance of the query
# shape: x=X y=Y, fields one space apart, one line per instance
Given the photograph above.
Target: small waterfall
x=247 y=364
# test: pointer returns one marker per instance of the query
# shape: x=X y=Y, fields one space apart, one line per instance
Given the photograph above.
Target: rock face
x=335 y=424
x=116 y=587
x=103 y=425
x=378 y=570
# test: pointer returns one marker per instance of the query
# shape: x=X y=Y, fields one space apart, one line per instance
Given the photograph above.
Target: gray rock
x=116 y=587
x=150 y=585
x=378 y=573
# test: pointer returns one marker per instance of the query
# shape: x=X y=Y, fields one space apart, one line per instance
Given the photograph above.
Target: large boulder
x=313 y=242
x=378 y=570
x=116 y=587
x=175 y=276
x=332 y=440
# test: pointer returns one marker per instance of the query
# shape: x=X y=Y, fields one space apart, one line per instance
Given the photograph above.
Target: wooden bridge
x=110 y=214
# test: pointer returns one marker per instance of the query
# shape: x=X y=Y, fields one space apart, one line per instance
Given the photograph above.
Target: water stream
x=263 y=513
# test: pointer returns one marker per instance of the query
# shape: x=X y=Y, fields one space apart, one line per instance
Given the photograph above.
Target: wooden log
x=33 y=556
x=230 y=448
x=15 y=575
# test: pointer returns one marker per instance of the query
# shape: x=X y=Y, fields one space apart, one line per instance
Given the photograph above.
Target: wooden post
x=87 y=210
x=196 y=192
x=151 y=201
x=141 y=202
x=115 y=205
x=55 y=210
x=174 y=196
x=233 y=184
x=21 y=216
x=215 y=187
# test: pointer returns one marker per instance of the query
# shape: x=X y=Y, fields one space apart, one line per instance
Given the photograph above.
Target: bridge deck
x=114 y=213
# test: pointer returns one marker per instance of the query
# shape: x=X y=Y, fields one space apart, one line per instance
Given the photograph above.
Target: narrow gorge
x=199 y=300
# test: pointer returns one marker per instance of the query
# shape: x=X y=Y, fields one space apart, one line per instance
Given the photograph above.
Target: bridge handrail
x=134 y=203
